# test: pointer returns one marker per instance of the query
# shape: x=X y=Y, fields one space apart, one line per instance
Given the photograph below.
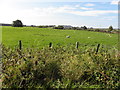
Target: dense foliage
x=17 y=23
x=59 y=27
x=110 y=28
x=60 y=67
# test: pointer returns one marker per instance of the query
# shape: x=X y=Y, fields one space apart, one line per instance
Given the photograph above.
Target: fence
x=51 y=44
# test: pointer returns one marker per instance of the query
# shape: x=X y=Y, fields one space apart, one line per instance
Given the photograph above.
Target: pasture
x=41 y=37
x=62 y=66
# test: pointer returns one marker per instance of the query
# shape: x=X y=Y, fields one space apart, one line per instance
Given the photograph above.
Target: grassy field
x=41 y=37
x=58 y=67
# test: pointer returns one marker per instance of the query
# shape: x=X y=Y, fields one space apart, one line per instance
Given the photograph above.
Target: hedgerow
x=60 y=67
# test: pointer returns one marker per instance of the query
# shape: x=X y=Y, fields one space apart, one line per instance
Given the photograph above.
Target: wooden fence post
x=97 y=48
x=77 y=45
x=50 y=44
x=20 y=44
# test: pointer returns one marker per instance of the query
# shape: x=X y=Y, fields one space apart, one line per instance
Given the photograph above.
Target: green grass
x=41 y=37
x=58 y=67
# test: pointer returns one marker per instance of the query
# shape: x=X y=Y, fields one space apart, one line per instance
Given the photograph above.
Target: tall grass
x=60 y=67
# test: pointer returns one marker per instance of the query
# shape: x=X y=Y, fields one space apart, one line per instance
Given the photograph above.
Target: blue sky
x=72 y=12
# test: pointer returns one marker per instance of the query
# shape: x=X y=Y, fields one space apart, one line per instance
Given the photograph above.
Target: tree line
x=18 y=23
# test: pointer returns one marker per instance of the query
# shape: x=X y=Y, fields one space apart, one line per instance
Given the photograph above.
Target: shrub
x=97 y=30
x=84 y=27
x=17 y=23
x=60 y=67
x=110 y=28
x=59 y=27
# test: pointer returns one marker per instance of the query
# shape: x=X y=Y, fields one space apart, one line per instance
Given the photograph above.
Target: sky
x=90 y=13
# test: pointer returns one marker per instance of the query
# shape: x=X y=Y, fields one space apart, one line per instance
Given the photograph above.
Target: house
x=67 y=26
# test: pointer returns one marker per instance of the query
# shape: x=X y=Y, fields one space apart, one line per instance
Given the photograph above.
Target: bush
x=59 y=27
x=43 y=26
x=97 y=30
x=17 y=23
x=60 y=67
x=110 y=28
x=84 y=27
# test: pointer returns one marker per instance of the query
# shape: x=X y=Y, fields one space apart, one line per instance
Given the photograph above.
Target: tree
x=110 y=28
x=17 y=23
x=97 y=30
x=84 y=27
x=59 y=27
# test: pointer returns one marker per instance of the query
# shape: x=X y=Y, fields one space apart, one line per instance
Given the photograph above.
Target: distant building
x=67 y=26
x=51 y=25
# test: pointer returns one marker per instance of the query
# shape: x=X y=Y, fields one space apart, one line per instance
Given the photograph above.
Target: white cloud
x=15 y=13
x=84 y=8
x=77 y=6
x=66 y=8
x=45 y=15
x=115 y=2
x=90 y=4
x=93 y=12
x=110 y=18
x=57 y=0
x=52 y=10
x=71 y=10
x=31 y=15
